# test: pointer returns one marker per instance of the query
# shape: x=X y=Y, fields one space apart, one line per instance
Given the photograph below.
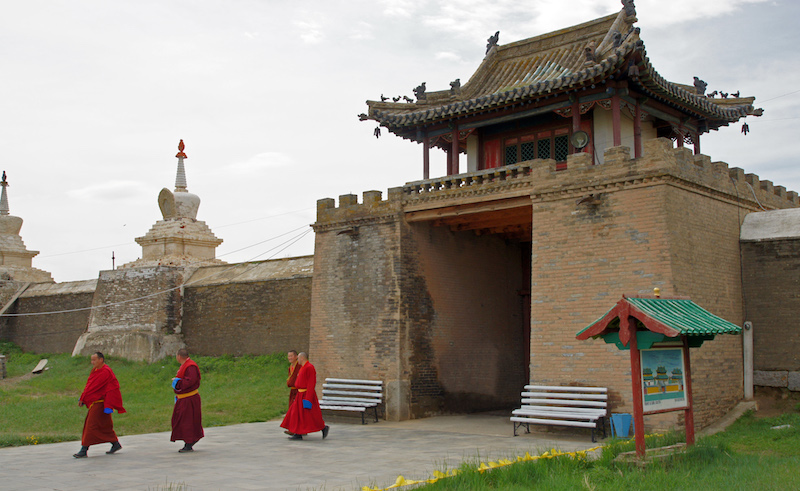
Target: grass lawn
x=43 y=408
x=748 y=455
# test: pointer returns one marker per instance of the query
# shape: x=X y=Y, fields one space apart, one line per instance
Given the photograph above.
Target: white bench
x=585 y=407
x=343 y=394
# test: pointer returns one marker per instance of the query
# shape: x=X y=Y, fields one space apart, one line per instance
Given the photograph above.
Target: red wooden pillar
x=696 y=143
x=454 y=152
x=426 y=157
x=679 y=140
x=636 y=384
x=615 y=120
x=688 y=415
x=637 y=131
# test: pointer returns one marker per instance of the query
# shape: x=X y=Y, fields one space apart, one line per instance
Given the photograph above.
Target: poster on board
x=663 y=384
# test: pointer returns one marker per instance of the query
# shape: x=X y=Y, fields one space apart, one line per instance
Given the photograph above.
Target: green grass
x=43 y=408
x=748 y=455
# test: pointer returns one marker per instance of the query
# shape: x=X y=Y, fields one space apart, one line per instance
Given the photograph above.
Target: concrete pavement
x=259 y=456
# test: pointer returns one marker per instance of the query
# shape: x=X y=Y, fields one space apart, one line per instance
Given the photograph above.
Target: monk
x=101 y=396
x=187 y=417
x=304 y=415
x=294 y=368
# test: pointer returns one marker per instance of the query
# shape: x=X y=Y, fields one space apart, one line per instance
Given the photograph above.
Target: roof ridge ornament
x=630 y=8
x=492 y=42
x=180 y=178
x=4 y=197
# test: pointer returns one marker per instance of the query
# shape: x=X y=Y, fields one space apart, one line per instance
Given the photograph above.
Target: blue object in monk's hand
x=175 y=382
x=108 y=410
x=306 y=404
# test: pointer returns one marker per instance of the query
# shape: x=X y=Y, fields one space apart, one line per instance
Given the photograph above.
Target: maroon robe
x=290 y=382
x=298 y=419
x=101 y=391
x=187 y=417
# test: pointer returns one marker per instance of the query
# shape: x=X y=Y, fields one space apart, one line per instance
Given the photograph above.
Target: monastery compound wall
x=669 y=219
x=440 y=314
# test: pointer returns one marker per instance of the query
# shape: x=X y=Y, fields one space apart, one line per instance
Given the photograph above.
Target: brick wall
x=55 y=333
x=771 y=285
x=476 y=337
x=247 y=317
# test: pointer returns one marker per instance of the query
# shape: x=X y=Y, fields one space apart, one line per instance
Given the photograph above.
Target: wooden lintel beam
x=458 y=210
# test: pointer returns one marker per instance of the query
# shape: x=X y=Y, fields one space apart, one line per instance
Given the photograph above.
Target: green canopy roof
x=663 y=317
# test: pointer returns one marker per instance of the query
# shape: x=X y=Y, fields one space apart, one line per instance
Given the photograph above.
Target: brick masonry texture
x=772 y=291
x=55 y=333
x=247 y=318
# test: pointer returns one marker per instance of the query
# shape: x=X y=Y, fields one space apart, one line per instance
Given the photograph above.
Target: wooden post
x=688 y=417
x=615 y=119
x=454 y=152
x=426 y=157
x=697 y=143
x=636 y=384
x=637 y=131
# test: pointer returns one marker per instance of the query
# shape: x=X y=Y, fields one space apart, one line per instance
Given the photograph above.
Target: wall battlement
x=541 y=177
x=350 y=210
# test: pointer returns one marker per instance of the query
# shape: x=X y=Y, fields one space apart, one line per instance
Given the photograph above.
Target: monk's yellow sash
x=188 y=394
x=95 y=402
x=301 y=390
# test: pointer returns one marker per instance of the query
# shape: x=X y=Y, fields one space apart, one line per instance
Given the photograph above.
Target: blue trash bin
x=621 y=425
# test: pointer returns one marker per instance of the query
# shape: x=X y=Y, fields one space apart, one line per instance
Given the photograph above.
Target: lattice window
x=527 y=151
x=561 y=144
x=543 y=147
x=511 y=155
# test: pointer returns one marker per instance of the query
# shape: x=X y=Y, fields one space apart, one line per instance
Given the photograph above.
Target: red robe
x=298 y=419
x=187 y=417
x=290 y=382
x=101 y=391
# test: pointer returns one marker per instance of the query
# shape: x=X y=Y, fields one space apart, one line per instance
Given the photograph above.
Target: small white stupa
x=15 y=258
x=179 y=239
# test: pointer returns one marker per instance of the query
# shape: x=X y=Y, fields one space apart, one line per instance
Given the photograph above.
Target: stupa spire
x=180 y=179
x=4 y=197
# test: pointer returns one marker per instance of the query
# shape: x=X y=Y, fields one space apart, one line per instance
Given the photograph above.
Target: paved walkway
x=259 y=456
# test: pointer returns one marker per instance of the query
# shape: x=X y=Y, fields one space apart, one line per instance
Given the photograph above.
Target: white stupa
x=179 y=239
x=15 y=258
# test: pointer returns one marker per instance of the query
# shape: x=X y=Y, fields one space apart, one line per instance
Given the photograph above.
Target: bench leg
x=519 y=425
x=362 y=418
x=375 y=410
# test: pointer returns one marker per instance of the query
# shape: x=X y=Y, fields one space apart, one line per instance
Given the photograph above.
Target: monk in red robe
x=102 y=396
x=304 y=415
x=294 y=368
x=187 y=417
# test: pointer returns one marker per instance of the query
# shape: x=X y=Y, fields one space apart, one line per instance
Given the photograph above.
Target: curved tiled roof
x=553 y=63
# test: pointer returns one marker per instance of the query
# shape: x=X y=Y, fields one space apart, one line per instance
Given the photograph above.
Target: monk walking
x=101 y=396
x=304 y=415
x=294 y=369
x=187 y=418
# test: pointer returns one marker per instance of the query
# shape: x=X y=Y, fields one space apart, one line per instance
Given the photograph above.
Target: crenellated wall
x=669 y=219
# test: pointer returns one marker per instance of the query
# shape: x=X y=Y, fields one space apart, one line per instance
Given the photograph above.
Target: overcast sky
x=94 y=96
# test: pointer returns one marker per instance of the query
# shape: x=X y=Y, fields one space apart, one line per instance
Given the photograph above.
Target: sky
x=96 y=94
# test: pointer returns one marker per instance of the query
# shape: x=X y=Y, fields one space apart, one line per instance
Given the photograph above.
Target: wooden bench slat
x=554 y=422
x=353 y=394
x=565 y=403
x=358 y=402
x=343 y=408
x=354 y=381
x=584 y=410
x=553 y=395
x=360 y=388
x=565 y=388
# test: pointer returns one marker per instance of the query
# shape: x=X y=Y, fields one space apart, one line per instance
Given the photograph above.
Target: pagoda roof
x=668 y=317
x=554 y=64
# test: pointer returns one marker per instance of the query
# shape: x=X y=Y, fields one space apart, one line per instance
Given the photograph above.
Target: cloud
x=257 y=163
x=400 y=8
x=112 y=191
x=311 y=31
x=362 y=31
x=447 y=56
